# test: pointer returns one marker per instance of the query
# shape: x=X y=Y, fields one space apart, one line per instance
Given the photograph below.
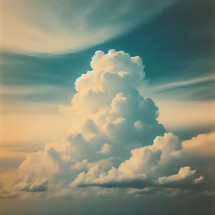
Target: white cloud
x=201 y=146
x=36 y=186
x=183 y=174
x=145 y=167
x=198 y=180
x=114 y=140
x=105 y=149
x=38 y=26
x=107 y=105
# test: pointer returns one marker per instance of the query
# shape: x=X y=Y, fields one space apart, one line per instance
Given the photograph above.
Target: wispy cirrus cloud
x=70 y=25
x=159 y=88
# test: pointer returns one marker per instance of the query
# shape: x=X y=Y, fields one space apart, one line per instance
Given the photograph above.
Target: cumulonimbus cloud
x=115 y=140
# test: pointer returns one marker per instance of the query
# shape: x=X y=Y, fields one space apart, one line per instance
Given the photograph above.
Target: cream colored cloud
x=107 y=114
x=105 y=149
x=36 y=186
x=104 y=103
x=101 y=119
x=202 y=146
x=183 y=174
x=145 y=168
x=198 y=180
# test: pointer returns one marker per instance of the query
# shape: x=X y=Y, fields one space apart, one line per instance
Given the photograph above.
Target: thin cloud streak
x=162 y=87
x=70 y=26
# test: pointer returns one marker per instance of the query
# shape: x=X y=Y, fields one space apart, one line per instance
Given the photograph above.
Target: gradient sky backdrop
x=46 y=45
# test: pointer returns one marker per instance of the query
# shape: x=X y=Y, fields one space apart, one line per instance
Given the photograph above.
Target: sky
x=107 y=107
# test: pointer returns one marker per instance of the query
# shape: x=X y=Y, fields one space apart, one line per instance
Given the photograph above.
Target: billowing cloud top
x=39 y=26
x=115 y=141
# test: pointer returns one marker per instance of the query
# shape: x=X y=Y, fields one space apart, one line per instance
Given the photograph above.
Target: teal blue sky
x=46 y=45
x=175 y=45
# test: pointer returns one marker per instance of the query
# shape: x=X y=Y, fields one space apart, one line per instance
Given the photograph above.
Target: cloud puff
x=144 y=168
x=183 y=174
x=70 y=25
x=202 y=146
x=105 y=149
x=108 y=108
x=29 y=186
x=114 y=140
x=198 y=180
